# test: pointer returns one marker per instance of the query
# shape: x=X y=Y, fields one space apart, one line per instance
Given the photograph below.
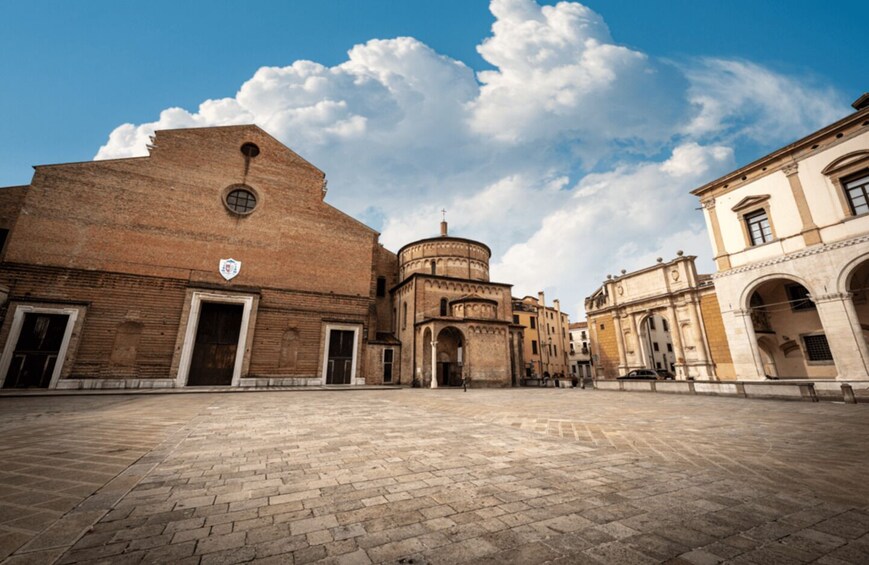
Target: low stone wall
x=638 y=386
x=674 y=387
x=812 y=391
x=140 y=383
x=113 y=384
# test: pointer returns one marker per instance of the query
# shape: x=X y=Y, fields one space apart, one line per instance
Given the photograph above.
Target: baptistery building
x=452 y=321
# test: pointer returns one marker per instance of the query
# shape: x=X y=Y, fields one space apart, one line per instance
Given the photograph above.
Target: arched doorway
x=789 y=335
x=656 y=344
x=450 y=351
x=767 y=356
x=425 y=373
x=858 y=287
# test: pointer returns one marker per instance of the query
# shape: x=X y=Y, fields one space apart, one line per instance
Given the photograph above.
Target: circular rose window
x=240 y=200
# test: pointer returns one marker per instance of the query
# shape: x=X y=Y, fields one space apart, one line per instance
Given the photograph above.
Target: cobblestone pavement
x=420 y=476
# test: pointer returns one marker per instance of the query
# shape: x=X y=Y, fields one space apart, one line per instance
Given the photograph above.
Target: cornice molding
x=809 y=251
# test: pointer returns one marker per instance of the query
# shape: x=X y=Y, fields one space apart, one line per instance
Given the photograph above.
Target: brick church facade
x=215 y=261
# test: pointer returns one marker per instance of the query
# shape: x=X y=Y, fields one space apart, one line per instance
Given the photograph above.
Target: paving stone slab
x=512 y=475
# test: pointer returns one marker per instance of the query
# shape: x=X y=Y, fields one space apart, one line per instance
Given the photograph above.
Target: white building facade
x=580 y=351
x=790 y=233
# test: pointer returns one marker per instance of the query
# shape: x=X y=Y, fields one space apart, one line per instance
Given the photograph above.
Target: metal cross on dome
x=444 y=214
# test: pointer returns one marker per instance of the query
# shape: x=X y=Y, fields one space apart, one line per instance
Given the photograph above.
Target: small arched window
x=404 y=315
x=443 y=306
x=434 y=267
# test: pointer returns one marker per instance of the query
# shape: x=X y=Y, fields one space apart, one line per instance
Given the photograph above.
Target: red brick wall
x=130 y=237
x=164 y=216
x=114 y=298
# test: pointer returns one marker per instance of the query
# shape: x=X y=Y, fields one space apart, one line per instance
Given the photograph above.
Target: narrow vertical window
x=387 y=365
x=404 y=316
x=434 y=267
x=758 y=227
x=381 y=286
x=443 y=306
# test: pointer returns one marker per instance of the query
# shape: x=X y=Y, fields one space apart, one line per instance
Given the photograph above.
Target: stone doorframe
x=189 y=325
x=629 y=320
x=20 y=310
x=327 y=331
x=436 y=328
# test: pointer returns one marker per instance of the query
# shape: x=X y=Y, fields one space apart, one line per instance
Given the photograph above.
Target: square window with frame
x=758 y=226
x=857 y=192
x=817 y=349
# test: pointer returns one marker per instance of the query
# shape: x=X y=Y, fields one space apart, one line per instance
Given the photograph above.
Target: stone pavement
x=421 y=476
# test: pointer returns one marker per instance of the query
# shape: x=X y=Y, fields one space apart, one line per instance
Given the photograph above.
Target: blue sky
x=730 y=82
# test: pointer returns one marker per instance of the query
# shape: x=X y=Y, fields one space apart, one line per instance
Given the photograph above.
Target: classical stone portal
x=663 y=317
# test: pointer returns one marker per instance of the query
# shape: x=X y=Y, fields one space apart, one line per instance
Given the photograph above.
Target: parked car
x=665 y=375
x=644 y=374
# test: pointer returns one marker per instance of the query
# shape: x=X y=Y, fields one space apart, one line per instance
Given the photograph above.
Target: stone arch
x=789 y=336
x=655 y=327
x=854 y=281
x=426 y=356
x=451 y=352
x=846 y=274
x=745 y=299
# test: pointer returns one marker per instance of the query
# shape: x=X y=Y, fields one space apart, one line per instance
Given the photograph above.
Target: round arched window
x=240 y=200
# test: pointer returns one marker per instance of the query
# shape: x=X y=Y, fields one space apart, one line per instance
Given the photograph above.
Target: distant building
x=546 y=340
x=661 y=317
x=580 y=351
x=790 y=233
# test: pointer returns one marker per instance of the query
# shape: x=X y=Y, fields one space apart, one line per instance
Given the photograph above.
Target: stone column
x=811 y=234
x=703 y=354
x=620 y=344
x=744 y=351
x=722 y=259
x=434 y=363
x=857 y=329
x=676 y=333
x=844 y=334
x=638 y=348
